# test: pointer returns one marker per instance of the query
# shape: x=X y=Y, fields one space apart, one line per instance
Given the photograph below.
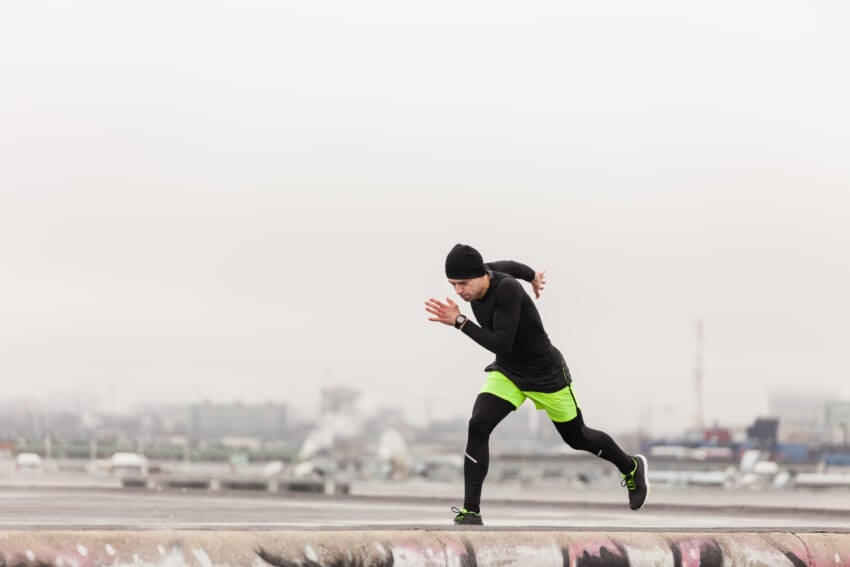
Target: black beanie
x=464 y=263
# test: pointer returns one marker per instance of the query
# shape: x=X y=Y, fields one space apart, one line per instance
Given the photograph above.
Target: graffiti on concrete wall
x=438 y=548
x=695 y=552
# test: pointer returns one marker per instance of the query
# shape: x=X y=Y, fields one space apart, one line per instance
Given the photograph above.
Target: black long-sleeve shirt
x=509 y=325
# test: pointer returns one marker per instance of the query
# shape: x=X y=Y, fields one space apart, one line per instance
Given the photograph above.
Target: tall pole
x=700 y=423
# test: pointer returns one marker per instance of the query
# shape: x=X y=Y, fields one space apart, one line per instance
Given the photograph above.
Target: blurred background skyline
x=211 y=201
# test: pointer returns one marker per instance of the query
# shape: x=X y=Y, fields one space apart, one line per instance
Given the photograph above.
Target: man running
x=527 y=365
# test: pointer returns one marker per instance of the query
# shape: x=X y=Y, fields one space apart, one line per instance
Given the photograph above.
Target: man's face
x=470 y=290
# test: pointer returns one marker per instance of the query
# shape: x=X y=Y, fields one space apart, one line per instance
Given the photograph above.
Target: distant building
x=801 y=414
x=762 y=434
x=837 y=423
x=263 y=421
x=338 y=400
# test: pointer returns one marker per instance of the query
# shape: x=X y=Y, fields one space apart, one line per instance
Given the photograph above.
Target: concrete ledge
x=248 y=483
x=419 y=547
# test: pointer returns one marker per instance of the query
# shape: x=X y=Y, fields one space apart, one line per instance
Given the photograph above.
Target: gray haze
x=250 y=201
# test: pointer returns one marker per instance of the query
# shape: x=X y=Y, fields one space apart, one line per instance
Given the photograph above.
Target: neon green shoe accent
x=465 y=517
x=637 y=483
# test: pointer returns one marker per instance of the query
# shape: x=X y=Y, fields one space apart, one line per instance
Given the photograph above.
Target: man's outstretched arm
x=500 y=340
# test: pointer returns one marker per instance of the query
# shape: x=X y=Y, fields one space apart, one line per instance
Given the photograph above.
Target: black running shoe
x=637 y=483
x=467 y=518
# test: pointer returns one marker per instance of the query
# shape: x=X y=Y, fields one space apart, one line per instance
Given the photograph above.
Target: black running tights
x=490 y=410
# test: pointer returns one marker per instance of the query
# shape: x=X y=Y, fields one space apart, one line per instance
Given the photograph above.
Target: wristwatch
x=459 y=321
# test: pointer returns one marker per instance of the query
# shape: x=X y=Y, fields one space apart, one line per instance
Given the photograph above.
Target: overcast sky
x=252 y=200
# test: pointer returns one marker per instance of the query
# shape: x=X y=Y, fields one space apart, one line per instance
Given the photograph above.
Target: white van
x=28 y=462
x=128 y=463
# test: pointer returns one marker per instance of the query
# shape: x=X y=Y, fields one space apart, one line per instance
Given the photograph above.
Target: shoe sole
x=646 y=477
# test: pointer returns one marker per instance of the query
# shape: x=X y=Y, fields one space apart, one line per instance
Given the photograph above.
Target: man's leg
x=634 y=469
x=487 y=412
x=580 y=437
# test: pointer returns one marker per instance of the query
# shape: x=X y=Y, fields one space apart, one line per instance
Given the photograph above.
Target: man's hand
x=444 y=313
x=538 y=283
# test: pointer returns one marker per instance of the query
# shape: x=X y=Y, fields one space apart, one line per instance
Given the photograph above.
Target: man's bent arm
x=515 y=269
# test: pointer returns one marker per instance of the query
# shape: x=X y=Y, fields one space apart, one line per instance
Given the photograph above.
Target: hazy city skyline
x=205 y=201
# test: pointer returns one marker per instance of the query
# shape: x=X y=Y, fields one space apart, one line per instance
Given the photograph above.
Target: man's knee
x=573 y=433
x=488 y=411
x=480 y=426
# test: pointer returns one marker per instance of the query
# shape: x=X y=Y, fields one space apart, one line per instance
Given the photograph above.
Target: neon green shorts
x=561 y=406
